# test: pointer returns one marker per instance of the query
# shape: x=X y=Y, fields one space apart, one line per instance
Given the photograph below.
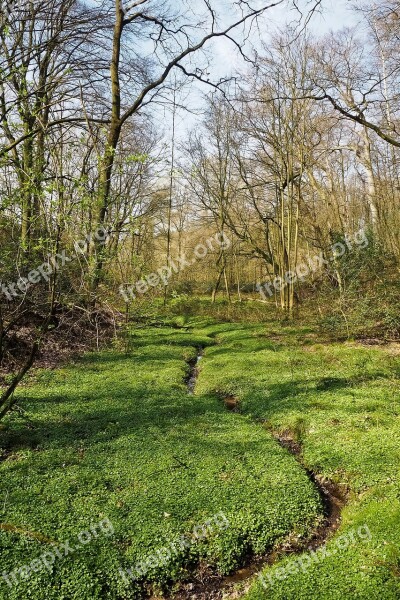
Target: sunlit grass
x=117 y=435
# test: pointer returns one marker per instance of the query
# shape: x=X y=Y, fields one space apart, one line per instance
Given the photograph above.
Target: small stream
x=205 y=583
x=191 y=379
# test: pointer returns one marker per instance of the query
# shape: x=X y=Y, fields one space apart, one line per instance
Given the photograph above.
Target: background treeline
x=289 y=158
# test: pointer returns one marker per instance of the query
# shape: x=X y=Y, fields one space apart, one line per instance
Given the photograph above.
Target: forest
x=199 y=299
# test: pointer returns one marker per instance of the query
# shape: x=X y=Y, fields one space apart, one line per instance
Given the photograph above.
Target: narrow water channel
x=205 y=584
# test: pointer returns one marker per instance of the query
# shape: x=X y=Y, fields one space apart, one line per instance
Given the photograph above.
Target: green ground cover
x=117 y=436
x=342 y=403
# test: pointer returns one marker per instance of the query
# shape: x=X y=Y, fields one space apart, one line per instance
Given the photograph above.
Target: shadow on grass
x=117 y=395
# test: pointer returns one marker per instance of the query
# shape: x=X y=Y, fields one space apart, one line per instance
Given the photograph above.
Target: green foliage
x=361 y=266
x=342 y=402
x=373 y=313
x=118 y=435
x=137 y=158
x=221 y=310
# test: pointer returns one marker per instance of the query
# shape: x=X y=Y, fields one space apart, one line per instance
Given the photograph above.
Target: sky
x=225 y=59
x=335 y=15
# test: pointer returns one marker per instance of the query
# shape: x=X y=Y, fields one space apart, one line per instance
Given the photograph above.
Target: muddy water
x=193 y=372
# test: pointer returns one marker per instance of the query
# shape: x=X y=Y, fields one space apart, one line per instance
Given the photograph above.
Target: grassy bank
x=341 y=402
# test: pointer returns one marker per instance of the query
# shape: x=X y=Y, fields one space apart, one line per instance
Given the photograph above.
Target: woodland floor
x=119 y=435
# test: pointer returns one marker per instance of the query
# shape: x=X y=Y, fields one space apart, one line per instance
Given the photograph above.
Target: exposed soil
x=27 y=533
x=231 y=403
x=333 y=496
x=193 y=374
x=206 y=584
x=73 y=331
